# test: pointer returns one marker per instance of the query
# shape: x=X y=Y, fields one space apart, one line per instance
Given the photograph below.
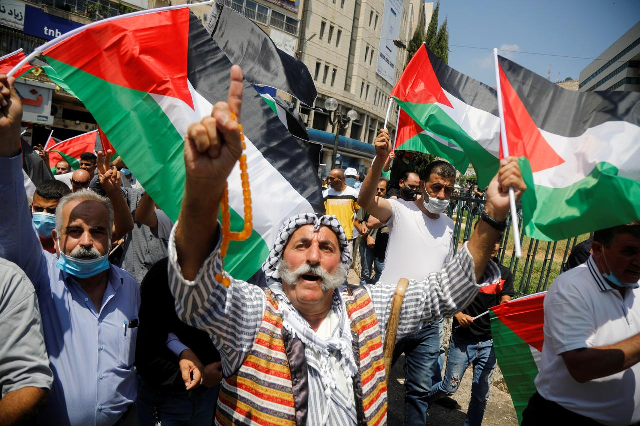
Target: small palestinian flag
x=411 y=137
x=454 y=108
x=70 y=150
x=517 y=331
x=9 y=61
x=579 y=154
x=145 y=77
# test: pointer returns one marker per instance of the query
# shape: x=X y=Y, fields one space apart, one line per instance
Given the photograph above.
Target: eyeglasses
x=75 y=182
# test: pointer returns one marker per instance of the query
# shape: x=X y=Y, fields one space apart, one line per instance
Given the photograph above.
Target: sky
x=533 y=33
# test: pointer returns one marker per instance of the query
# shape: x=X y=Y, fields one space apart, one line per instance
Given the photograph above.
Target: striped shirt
x=232 y=316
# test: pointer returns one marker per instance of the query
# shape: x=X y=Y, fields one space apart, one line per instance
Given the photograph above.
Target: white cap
x=350 y=172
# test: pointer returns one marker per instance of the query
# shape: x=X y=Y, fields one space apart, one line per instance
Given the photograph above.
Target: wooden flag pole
x=505 y=151
x=392 y=325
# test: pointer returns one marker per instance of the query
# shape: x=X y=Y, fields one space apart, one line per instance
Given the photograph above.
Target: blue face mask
x=45 y=223
x=82 y=268
x=350 y=181
x=125 y=172
x=611 y=277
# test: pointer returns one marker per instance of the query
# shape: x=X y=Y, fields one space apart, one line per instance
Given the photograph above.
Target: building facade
x=617 y=68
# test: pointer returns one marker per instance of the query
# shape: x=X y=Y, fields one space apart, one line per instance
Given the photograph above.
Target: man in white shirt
x=589 y=372
x=420 y=242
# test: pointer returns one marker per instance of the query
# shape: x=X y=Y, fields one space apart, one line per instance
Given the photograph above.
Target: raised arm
x=18 y=240
x=145 y=212
x=376 y=206
x=111 y=182
x=230 y=315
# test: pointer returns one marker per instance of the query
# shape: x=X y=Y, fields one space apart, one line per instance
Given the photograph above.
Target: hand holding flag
x=382 y=144
x=508 y=177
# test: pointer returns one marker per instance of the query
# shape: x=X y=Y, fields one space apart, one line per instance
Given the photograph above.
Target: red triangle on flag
x=525 y=317
x=407 y=129
x=106 y=145
x=523 y=135
x=419 y=83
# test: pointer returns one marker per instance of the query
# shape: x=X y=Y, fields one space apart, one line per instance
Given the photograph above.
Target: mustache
x=82 y=252
x=329 y=280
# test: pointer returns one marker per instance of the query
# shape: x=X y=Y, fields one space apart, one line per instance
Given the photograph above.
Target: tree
x=415 y=42
x=441 y=45
x=432 y=30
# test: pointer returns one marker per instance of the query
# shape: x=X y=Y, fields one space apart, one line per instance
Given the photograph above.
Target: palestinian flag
x=579 y=154
x=411 y=137
x=286 y=116
x=9 y=61
x=454 y=108
x=246 y=44
x=71 y=149
x=516 y=328
x=145 y=77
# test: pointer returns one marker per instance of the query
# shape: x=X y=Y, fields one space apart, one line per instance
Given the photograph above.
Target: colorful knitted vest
x=267 y=388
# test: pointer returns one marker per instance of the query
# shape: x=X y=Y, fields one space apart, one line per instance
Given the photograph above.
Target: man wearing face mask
x=43 y=210
x=89 y=307
x=589 y=372
x=420 y=242
x=409 y=187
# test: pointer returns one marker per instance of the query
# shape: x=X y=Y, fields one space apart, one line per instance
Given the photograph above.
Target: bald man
x=80 y=179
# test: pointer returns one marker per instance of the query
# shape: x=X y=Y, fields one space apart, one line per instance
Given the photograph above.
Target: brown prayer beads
x=227 y=235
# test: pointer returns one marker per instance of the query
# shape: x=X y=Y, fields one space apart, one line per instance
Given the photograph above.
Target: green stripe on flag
x=425 y=143
x=516 y=363
x=73 y=162
x=433 y=119
x=152 y=148
x=552 y=214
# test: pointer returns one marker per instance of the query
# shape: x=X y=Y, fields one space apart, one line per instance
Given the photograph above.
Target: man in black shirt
x=471 y=343
x=178 y=367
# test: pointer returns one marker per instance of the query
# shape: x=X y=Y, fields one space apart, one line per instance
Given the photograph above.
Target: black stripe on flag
x=208 y=71
x=564 y=112
x=468 y=90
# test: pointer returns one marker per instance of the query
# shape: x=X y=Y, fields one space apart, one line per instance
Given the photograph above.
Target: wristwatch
x=500 y=226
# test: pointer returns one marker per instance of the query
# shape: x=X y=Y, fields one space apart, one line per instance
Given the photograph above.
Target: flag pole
x=395 y=137
x=505 y=151
x=386 y=117
x=48 y=139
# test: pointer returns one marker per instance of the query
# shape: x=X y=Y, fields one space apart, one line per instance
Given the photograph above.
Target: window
x=330 y=34
x=333 y=76
x=323 y=24
x=375 y=98
x=338 y=35
x=291 y=25
x=371 y=56
x=366 y=96
x=277 y=20
x=250 y=9
x=262 y=14
x=361 y=88
x=342 y=4
x=370 y=17
x=315 y=76
x=326 y=72
x=375 y=24
x=366 y=52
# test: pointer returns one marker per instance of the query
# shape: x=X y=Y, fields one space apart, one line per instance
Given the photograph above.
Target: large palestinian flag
x=579 y=154
x=145 y=78
x=411 y=137
x=452 y=107
x=70 y=149
x=517 y=331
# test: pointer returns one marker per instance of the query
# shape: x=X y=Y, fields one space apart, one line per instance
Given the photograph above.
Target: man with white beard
x=308 y=348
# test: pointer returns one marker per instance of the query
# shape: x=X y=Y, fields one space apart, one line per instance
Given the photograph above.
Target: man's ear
x=54 y=235
x=401 y=182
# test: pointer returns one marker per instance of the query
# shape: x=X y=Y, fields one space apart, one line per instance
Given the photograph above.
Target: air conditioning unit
x=56 y=110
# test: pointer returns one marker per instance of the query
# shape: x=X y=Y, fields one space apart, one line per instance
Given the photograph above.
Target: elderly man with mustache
x=308 y=348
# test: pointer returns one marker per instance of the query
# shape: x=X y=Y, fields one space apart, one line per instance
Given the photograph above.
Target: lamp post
x=338 y=121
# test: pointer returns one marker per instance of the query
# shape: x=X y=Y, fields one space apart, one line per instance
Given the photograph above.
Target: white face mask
x=435 y=205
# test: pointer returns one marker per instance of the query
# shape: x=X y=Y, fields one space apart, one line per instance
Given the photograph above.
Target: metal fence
x=541 y=261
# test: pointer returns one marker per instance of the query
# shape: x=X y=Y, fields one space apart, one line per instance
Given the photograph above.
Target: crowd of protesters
x=111 y=314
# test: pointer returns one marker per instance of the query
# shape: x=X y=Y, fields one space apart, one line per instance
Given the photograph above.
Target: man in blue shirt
x=89 y=308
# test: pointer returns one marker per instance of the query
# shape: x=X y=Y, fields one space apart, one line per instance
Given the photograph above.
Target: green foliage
x=415 y=43
x=441 y=44
x=432 y=30
x=421 y=161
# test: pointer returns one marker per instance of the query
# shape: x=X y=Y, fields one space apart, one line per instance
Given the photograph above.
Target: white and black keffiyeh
x=270 y=266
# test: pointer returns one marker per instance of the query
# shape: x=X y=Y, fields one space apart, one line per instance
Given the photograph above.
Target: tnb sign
x=42 y=25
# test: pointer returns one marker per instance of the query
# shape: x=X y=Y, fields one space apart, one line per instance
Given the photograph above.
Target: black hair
x=88 y=156
x=608 y=235
x=439 y=167
x=52 y=189
x=405 y=177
